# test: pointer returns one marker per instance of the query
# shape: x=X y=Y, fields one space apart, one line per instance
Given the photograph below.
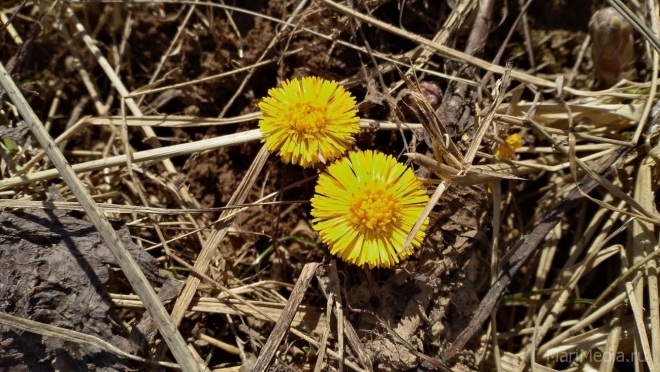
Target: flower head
x=514 y=141
x=309 y=120
x=365 y=206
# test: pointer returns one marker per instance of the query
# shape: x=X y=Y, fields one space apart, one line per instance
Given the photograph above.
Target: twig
x=500 y=52
x=48 y=330
x=15 y=62
x=140 y=157
x=13 y=15
x=165 y=56
x=329 y=282
x=282 y=325
x=642 y=336
x=216 y=237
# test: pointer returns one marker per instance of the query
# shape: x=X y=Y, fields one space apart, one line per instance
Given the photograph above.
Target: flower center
x=307 y=117
x=374 y=207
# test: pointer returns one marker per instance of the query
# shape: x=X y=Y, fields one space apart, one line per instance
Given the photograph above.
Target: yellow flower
x=308 y=121
x=514 y=141
x=365 y=206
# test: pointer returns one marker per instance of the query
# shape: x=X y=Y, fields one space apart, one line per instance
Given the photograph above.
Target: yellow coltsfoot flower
x=364 y=207
x=514 y=141
x=308 y=121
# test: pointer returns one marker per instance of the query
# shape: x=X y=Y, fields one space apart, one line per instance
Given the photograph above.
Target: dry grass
x=561 y=315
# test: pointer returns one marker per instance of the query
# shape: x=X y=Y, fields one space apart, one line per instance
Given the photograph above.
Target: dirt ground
x=427 y=300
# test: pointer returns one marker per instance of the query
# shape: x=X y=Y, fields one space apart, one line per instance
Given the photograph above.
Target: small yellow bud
x=612 y=49
x=514 y=141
